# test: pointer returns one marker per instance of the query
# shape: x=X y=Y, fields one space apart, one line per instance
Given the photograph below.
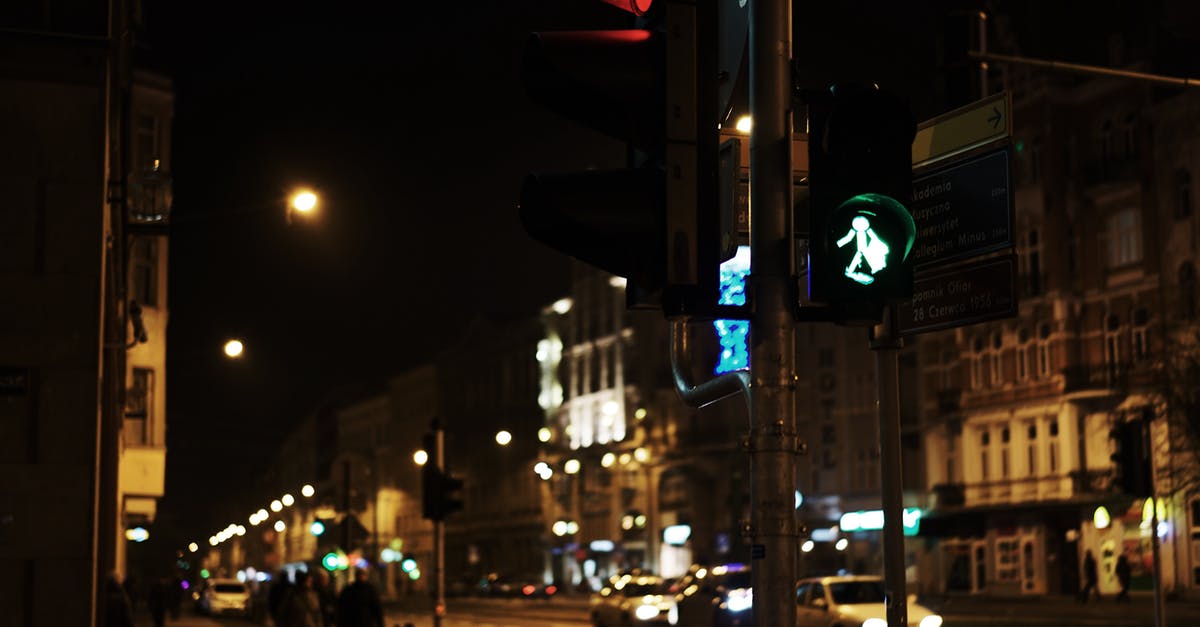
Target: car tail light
x=551 y=589
x=528 y=590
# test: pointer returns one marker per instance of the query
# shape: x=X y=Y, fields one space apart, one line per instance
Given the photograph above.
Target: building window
x=827 y=458
x=1005 y=436
x=145 y=271
x=1129 y=130
x=1031 y=263
x=949 y=362
x=977 y=363
x=1044 y=363
x=1106 y=142
x=828 y=434
x=146 y=135
x=997 y=372
x=1053 y=448
x=1187 y=290
x=1124 y=238
x=1031 y=448
x=1008 y=559
x=1137 y=337
x=1183 y=194
x=825 y=358
x=1023 y=346
x=951 y=456
x=1112 y=345
x=139 y=405
x=985 y=444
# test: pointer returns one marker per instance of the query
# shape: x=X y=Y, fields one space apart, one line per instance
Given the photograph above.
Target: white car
x=852 y=601
x=630 y=600
x=225 y=596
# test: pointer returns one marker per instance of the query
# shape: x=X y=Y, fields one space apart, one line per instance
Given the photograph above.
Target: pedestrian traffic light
x=657 y=88
x=860 y=182
x=1131 y=458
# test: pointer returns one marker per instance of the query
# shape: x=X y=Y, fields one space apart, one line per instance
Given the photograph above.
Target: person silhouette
x=1090 y=578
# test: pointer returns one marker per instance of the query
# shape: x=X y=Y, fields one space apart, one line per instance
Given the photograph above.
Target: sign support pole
x=886 y=345
x=774 y=441
x=439 y=537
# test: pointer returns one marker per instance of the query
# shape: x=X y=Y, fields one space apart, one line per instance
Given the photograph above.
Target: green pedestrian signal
x=879 y=236
x=861 y=234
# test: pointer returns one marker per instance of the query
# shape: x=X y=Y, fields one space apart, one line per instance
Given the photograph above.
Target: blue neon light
x=732 y=334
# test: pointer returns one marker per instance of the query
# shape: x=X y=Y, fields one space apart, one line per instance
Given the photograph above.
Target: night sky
x=412 y=124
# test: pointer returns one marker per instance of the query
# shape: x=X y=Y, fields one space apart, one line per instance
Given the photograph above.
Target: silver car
x=630 y=600
x=852 y=601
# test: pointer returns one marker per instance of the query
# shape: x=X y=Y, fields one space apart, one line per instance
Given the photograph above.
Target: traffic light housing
x=658 y=89
x=439 y=490
x=861 y=232
x=1131 y=458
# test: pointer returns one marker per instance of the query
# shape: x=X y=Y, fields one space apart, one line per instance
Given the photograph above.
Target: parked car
x=850 y=601
x=720 y=595
x=538 y=590
x=628 y=600
x=225 y=596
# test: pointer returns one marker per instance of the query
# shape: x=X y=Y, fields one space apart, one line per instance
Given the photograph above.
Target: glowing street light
x=503 y=438
x=234 y=349
x=193 y=547
x=307 y=491
x=544 y=434
x=420 y=457
x=571 y=466
x=288 y=500
x=280 y=526
x=276 y=505
x=303 y=202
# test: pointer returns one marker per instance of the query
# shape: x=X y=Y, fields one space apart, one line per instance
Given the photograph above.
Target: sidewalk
x=1139 y=607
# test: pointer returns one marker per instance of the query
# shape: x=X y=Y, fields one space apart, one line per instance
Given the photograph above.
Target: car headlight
x=740 y=599
x=874 y=622
x=933 y=620
x=646 y=612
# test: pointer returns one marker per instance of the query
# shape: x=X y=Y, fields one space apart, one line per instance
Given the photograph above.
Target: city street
x=572 y=612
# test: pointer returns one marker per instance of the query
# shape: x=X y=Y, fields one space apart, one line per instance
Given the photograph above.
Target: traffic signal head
x=656 y=89
x=861 y=232
x=439 y=493
x=1131 y=459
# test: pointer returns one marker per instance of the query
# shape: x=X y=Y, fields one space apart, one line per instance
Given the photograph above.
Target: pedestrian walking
x=326 y=598
x=300 y=606
x=1091 y=577
x=117 y=610
x=1123 y=574
x=358 y=605
x=276 y=594
x=156 y=600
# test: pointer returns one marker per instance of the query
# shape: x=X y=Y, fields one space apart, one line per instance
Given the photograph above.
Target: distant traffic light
x=656 y=88
x=439 y=490
x=1131 y=458
x=860 y=180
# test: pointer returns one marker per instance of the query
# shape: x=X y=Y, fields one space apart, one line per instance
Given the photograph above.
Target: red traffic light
x=636 y=7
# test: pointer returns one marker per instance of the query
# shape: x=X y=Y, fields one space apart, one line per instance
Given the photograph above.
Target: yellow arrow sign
x=962 y=129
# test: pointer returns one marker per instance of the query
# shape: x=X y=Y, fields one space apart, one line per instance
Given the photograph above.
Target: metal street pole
x=439 y=538
x=886 y=344
x=774 y=441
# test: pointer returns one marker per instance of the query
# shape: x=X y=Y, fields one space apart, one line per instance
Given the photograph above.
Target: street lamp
x=503 y=438
x=288 y=500
x=234 y=349
x=307 y=491
x=276 y=505
x=303 y=202
x=420 y=457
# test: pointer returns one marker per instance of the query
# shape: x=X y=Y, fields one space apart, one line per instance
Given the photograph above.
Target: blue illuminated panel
x=735 y=352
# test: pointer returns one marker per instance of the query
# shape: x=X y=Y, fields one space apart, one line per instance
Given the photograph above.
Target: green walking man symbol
x=870 y=255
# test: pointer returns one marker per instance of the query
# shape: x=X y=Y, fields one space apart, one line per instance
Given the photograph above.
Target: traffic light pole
x=886 y=344
x=439 y=538
x=774 y=440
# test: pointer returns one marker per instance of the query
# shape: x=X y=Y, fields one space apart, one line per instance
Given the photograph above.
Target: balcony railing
x=1116 y=377
x=1013 y=491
